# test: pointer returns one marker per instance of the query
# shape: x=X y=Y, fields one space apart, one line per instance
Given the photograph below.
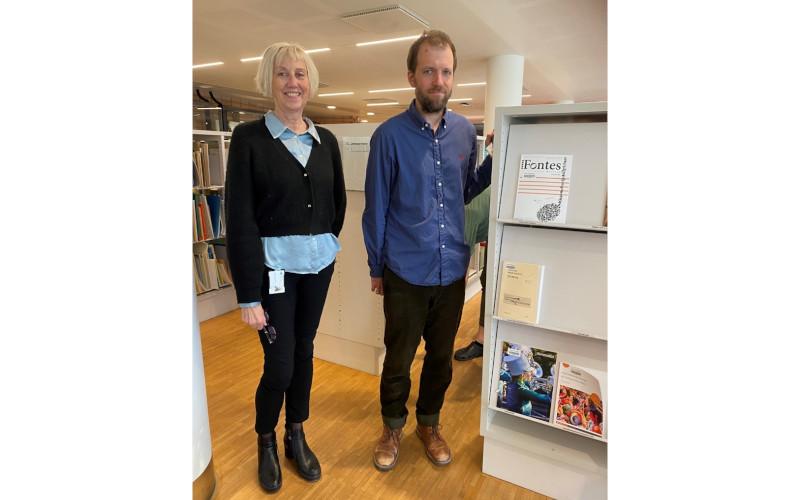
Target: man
x=420 y=174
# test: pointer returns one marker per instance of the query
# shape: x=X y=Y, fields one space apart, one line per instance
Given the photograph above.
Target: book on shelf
x=214 y=202
x=215 y=168
x=525 y=377
x=543 y=188
x=221 y=252
x=198 y=283
x=581 y=399
x=520 y=298
x=205 y=164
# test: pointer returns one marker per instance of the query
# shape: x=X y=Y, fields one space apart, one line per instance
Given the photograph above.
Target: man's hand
x=489 y=138
x=254 y=317
x=377 y=285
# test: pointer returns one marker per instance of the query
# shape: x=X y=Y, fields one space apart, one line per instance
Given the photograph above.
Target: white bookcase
x=544 y=457
x=219 y=301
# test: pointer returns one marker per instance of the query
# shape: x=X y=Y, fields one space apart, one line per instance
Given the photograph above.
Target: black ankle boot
x=294 y=442
x=269 y=469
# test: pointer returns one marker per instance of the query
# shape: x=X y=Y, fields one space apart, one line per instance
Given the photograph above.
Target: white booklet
x=519 y=298
x=543 y=188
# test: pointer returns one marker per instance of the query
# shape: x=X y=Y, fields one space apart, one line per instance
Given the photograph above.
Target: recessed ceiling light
x=370 y=113
x=388 y=40
x=209 y=108
x=331 y=107
x=526 y=95
x=461 y=99
x=473 y=84
x=249 y=59
x=206 y=65
x=364 y=121
x=334 y=94
x=313 y=51
x=383 y=104
x=389 y=90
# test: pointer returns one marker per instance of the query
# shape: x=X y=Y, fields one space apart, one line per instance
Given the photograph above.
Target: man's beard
x=428 y=105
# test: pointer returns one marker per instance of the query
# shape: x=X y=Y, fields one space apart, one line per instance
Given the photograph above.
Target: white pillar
x=203 y=479
x=503 y=86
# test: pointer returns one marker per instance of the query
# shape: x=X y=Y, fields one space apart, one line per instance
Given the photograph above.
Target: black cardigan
x=269 y=193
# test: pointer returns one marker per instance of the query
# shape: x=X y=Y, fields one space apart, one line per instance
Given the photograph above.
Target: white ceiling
x=563 y=42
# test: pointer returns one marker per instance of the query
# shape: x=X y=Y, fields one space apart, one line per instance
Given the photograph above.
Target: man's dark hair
x=434 y=38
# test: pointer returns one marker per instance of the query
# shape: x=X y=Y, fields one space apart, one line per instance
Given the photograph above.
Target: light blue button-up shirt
x=297 y=254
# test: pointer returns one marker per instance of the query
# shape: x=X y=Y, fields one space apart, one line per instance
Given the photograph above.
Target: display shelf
x=564 y=227
x=554 y=426
x=549 y=327
x=572 y=310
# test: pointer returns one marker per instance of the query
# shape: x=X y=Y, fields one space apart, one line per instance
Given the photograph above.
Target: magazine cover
x=581 y=399
x=543 y=188
x=525 y=381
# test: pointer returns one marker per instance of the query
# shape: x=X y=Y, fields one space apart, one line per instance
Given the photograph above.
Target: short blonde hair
x=278 y=52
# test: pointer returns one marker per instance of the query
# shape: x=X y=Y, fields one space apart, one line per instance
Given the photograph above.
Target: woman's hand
x=254 y=317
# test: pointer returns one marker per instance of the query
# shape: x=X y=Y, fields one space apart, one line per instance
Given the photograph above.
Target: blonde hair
x=278 y=52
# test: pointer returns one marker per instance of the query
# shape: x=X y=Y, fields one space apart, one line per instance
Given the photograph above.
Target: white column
x=201 y=434
x=503 y=86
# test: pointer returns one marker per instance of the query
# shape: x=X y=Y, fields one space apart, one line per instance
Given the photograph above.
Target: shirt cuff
x=249 y=304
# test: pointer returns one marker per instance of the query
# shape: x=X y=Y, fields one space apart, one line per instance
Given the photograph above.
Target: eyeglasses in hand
x=269 y=330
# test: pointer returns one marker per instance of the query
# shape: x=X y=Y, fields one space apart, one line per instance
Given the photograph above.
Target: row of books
x=210 y=267
x=208 y=216
x=208 y=167
x=524 y=386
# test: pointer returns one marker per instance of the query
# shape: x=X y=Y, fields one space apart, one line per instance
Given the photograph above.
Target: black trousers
x=413 y=312
x=288 y=362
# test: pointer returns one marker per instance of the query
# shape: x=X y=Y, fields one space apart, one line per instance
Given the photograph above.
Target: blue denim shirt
x=298 y=253
x=416 y=187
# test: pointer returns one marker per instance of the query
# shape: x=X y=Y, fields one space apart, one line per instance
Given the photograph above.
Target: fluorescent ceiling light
x=388 y=40
x=383 y=103
x=389 y=90
x=460 y=99
x=370 y=113
x=331 y=107
x=206 y=65
x=209 y=108
x=526 y=95
x=364 y=121
x=473 y=84
x=334 y=93
x=258 y=58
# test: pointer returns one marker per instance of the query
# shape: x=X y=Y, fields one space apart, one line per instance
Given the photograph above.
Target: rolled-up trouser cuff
x=394 y=422
x=428 y=420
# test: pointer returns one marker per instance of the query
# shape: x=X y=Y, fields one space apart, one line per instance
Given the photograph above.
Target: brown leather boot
x=435 y=446
x=387 y=449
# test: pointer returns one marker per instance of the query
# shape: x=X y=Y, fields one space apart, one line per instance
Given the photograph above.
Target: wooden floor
x=344 y=425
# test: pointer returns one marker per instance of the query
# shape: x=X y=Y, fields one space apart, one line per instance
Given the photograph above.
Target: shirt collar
x=419 y=119
x=276 y=126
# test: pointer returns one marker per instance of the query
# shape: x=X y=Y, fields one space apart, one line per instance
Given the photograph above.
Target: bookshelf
x=215 y=293
x=543 y=456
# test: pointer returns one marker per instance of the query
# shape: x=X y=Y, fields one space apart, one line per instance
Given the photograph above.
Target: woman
x=285 y=204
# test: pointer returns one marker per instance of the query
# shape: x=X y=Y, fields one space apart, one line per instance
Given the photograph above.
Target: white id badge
x=276 y=282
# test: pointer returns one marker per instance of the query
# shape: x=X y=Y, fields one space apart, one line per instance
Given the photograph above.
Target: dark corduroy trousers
x=415 y=312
